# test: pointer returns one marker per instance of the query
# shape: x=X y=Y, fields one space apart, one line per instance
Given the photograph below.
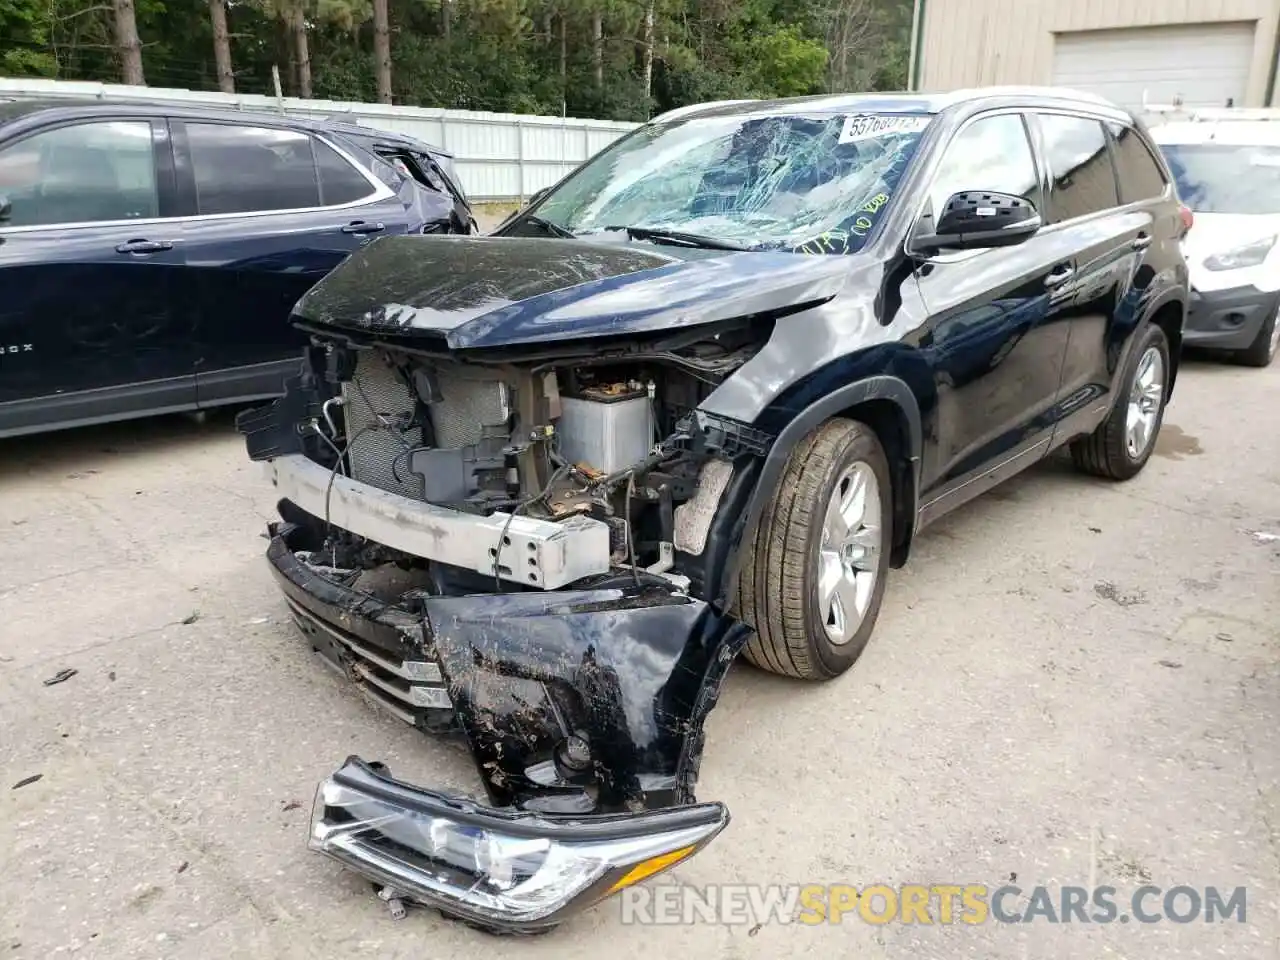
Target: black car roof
x=17 y=110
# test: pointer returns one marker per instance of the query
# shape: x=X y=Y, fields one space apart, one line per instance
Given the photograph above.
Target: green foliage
x=784 y=62
x=501 y=55
x=24 y=36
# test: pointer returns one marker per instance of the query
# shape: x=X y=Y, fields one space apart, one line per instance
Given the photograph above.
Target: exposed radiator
x=467 y=407
x=380 y=454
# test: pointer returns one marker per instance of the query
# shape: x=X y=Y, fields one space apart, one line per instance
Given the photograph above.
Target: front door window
x=84 y=173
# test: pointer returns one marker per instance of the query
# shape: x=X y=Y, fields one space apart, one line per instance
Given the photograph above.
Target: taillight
x=1188 y=218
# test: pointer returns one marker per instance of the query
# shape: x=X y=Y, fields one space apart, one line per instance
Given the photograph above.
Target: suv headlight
x=500 y=869
x=1250 y=255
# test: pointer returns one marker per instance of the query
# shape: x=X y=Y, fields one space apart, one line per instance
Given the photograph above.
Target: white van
x=1227 y=167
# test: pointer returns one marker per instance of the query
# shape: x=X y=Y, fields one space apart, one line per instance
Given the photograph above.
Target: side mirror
x=974 y=219
x=6 y=208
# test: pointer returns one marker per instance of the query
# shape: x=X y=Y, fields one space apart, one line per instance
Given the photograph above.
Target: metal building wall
x=500 y=156
x=965 y=43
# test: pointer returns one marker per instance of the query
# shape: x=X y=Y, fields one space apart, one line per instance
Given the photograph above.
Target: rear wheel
x=1263 y=350
x=813 y=573
x=1122 y=444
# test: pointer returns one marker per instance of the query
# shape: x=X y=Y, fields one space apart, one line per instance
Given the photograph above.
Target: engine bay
x=613 y=441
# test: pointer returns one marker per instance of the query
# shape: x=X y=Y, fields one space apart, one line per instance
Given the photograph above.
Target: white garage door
x=1204 y=64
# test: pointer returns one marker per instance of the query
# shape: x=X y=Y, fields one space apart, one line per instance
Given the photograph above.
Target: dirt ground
x=1072 y=682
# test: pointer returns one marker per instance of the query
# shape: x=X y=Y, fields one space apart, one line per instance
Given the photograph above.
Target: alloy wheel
x=849 y=555
x=1144 y=402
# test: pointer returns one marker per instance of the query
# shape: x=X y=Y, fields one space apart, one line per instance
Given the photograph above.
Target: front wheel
x=814 y=571
x=1122 y=444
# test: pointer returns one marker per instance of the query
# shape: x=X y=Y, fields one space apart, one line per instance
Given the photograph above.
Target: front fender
x=1169 y=294
x=874 y=388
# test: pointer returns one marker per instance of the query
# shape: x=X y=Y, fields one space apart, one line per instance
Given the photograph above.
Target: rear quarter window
x=1138 y=172
x=340 y=182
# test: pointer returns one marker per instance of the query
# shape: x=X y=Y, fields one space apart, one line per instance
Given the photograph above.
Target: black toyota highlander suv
x=542 y=487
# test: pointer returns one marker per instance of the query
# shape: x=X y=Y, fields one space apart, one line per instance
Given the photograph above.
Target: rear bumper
x=1227 y=319
x=583 y=710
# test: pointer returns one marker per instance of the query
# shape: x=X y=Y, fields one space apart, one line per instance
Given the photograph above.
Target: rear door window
x=243 y=169
x=1139 y=174
x=1083 y=181
x=83 y=173
x=340 y=182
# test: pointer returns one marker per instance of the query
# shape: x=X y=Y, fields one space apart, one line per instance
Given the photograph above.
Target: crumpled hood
x=505 y=291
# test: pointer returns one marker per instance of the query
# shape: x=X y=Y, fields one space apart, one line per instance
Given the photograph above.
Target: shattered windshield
x=809 y=184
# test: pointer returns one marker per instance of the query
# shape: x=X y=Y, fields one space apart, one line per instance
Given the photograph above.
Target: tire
x=778 y=583
x=1262 y=351
x=1106 y=452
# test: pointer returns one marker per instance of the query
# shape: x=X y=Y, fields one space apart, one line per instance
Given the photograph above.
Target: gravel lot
x=1071 y=681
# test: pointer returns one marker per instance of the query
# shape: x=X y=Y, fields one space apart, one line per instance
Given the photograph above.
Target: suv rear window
x=1139 y=174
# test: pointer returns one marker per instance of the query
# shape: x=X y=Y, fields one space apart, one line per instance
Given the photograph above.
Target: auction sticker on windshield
x=870 y=126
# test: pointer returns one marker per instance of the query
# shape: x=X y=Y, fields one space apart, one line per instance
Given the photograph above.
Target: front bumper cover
x=1227 y=319
x=580 y=704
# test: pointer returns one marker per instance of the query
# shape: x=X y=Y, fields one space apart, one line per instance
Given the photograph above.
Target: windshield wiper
x=546 y=226
x=676 y=236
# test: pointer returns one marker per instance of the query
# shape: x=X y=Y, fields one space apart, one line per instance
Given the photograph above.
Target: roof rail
x=1042 y=90
x=1176 y=111
x=696 y=108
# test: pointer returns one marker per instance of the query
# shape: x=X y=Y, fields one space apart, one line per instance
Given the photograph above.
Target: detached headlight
x=497 y=868
x=1250 y=255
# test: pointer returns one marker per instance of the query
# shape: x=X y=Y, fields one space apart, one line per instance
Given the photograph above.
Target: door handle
x=144 y=246
x=1141 y=241
x=360 y=227
x=1059 y=275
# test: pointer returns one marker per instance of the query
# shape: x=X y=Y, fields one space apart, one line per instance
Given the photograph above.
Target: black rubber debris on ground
x=66 y=673
x=27 y=781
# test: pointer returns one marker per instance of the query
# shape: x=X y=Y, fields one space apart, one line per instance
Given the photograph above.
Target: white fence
x=500 y=156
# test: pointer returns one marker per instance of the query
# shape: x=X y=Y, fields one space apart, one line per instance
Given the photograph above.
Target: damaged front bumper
x=583 y=710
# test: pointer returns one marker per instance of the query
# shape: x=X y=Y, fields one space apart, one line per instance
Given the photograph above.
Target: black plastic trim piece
x=359 y=775
x=872 y=388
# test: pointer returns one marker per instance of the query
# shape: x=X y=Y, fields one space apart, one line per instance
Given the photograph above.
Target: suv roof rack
x=1176 y=111
x=696 y=108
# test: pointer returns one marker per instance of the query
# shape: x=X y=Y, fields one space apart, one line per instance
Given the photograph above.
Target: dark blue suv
x=150 y=254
